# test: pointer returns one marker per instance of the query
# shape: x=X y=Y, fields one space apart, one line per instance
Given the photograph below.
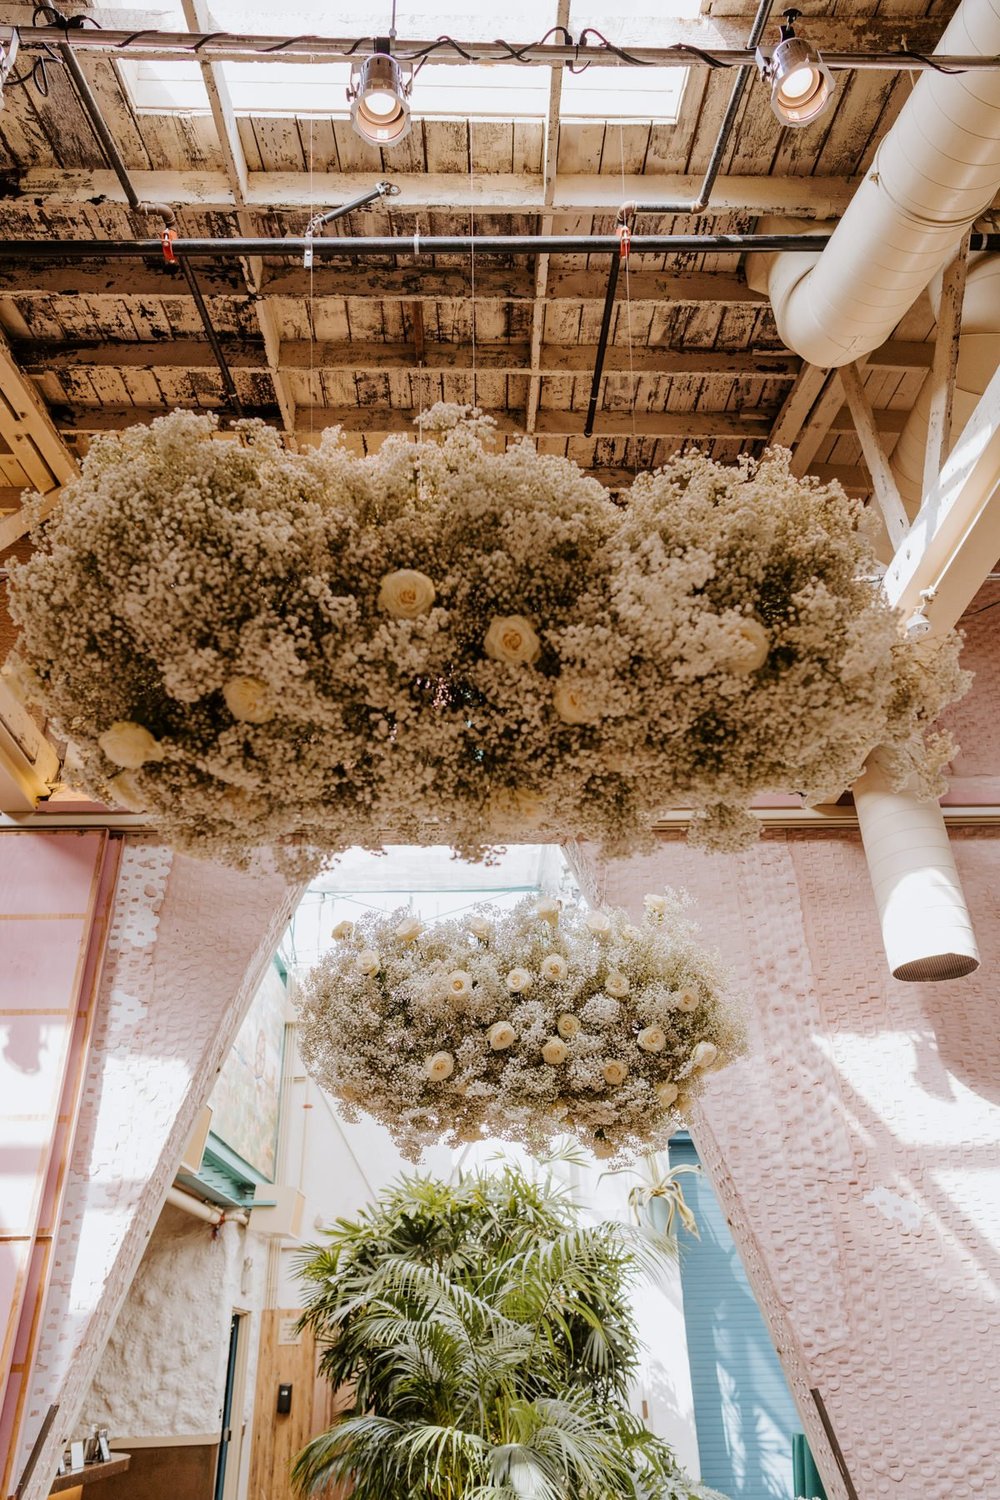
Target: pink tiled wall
x=856 y=1150
x=187 y=944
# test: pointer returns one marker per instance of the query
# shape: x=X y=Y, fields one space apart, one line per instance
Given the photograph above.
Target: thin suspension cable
x=312 y=302
x=472 y=258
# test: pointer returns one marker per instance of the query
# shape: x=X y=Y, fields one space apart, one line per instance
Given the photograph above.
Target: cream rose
x=406 y=594
x=123 y=790
x=568 y=1025
x=630 y=933
x=439 y=1067
x=554 y=1052
x=480 y=928
x=518 y=980
x=409 y=929
x=459 y=983
x=617 y=984
x=748 y=647
x=686 y=999
x=516 y=806
x=599 y=923
x=652 y=1039
x=667 y=1093
x=343 y=931
x=655 y=905
x=704 y=1055
x=615 y=1073
x=554 y=967
x=130 y=745
x=548 y=910
x=249 y=699
x=367 y=962
x=501 y=1035
x=512 y=638
x=574 y=704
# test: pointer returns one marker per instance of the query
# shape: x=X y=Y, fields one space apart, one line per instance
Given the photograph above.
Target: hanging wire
x=312 y=301
x=472 y=256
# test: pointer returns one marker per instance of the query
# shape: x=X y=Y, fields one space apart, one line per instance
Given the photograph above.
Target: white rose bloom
x=748 y=647
x=667 y=1094
x=554 y=967
x=615 y=1073
x=367 y=962
x=501 y=1035
x=406 y=594
x=631 y=934
x=617 y=984
x=687 y=999
x=554 y=1052
x=123 y=790
x=655 y=905
x=439 y=1067
x=705 y=1055
x=574 y=704
x=409 y=929
x=480 y=928
x=568 y=1025
x=249 y=699
x=512 y=638
x=343 y=931
x=517 y=807
x=518 y=980
x=652 y=1039
x=599 y=923
x=548 y=910
x=459 y=982
x=130 y=745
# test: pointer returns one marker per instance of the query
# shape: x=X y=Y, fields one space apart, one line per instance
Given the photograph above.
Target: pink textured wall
x=187 y=945
x=856 y=1152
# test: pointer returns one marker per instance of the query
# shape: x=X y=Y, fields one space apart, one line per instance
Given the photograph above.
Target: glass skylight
x=453 y=91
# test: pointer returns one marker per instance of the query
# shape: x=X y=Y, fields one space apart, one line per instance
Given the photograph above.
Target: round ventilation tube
x=926 y=927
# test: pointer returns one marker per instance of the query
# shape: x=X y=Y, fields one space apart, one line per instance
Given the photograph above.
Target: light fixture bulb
x=801 y=84
x=379 y=95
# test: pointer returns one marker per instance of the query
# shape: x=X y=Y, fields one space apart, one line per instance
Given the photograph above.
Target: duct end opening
x=935 y=967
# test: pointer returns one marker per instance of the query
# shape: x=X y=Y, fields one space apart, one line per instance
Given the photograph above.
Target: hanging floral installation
x=442 y=643
x=522 y=1025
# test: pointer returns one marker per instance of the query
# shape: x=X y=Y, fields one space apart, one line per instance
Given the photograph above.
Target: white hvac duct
x=925 y=923
x=933 y=175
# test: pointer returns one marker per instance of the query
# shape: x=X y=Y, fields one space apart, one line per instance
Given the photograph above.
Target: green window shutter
x=805 y=1475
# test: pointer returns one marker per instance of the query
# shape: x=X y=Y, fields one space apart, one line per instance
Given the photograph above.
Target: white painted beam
x=955 y=537
x=886 y=493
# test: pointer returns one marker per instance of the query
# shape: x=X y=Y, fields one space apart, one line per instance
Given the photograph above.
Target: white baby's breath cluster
x=449 y=644
x=525 y=1024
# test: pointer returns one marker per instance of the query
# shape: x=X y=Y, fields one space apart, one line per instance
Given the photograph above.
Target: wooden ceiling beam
x=27 y=430
x=382 y=420
x=852 y=477
x=571 y=193
x=404 y=283
x=43 y=358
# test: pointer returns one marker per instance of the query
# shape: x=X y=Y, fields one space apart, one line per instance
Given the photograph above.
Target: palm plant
x=485 y=1334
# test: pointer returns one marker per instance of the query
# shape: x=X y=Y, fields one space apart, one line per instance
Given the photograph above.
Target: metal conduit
x=227 y=46
x=421 y=245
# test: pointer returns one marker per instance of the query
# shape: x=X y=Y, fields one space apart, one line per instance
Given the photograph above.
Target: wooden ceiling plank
x=28 y=430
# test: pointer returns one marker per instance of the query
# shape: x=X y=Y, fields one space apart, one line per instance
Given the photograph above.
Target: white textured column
x=926 y=927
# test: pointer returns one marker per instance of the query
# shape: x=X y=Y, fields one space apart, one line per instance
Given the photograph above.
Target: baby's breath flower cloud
x=431 y=1037
x=441 y=643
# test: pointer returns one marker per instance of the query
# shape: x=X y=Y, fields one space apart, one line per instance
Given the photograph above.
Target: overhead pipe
x=628 y=211
x=163 y=211
x=227 y=46
x=934 y=174
x=207 y=1212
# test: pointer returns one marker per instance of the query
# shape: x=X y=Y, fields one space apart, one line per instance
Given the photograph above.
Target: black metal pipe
x=602 y=343
x=701 y=201
x=403 y=245
x=232 y=395
x=117 y=164
x=225 y=46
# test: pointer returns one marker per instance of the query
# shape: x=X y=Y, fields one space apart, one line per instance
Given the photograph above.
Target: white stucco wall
x=163 y=1371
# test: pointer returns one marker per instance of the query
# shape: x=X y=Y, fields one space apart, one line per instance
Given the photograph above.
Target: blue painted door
x=744 y=1412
